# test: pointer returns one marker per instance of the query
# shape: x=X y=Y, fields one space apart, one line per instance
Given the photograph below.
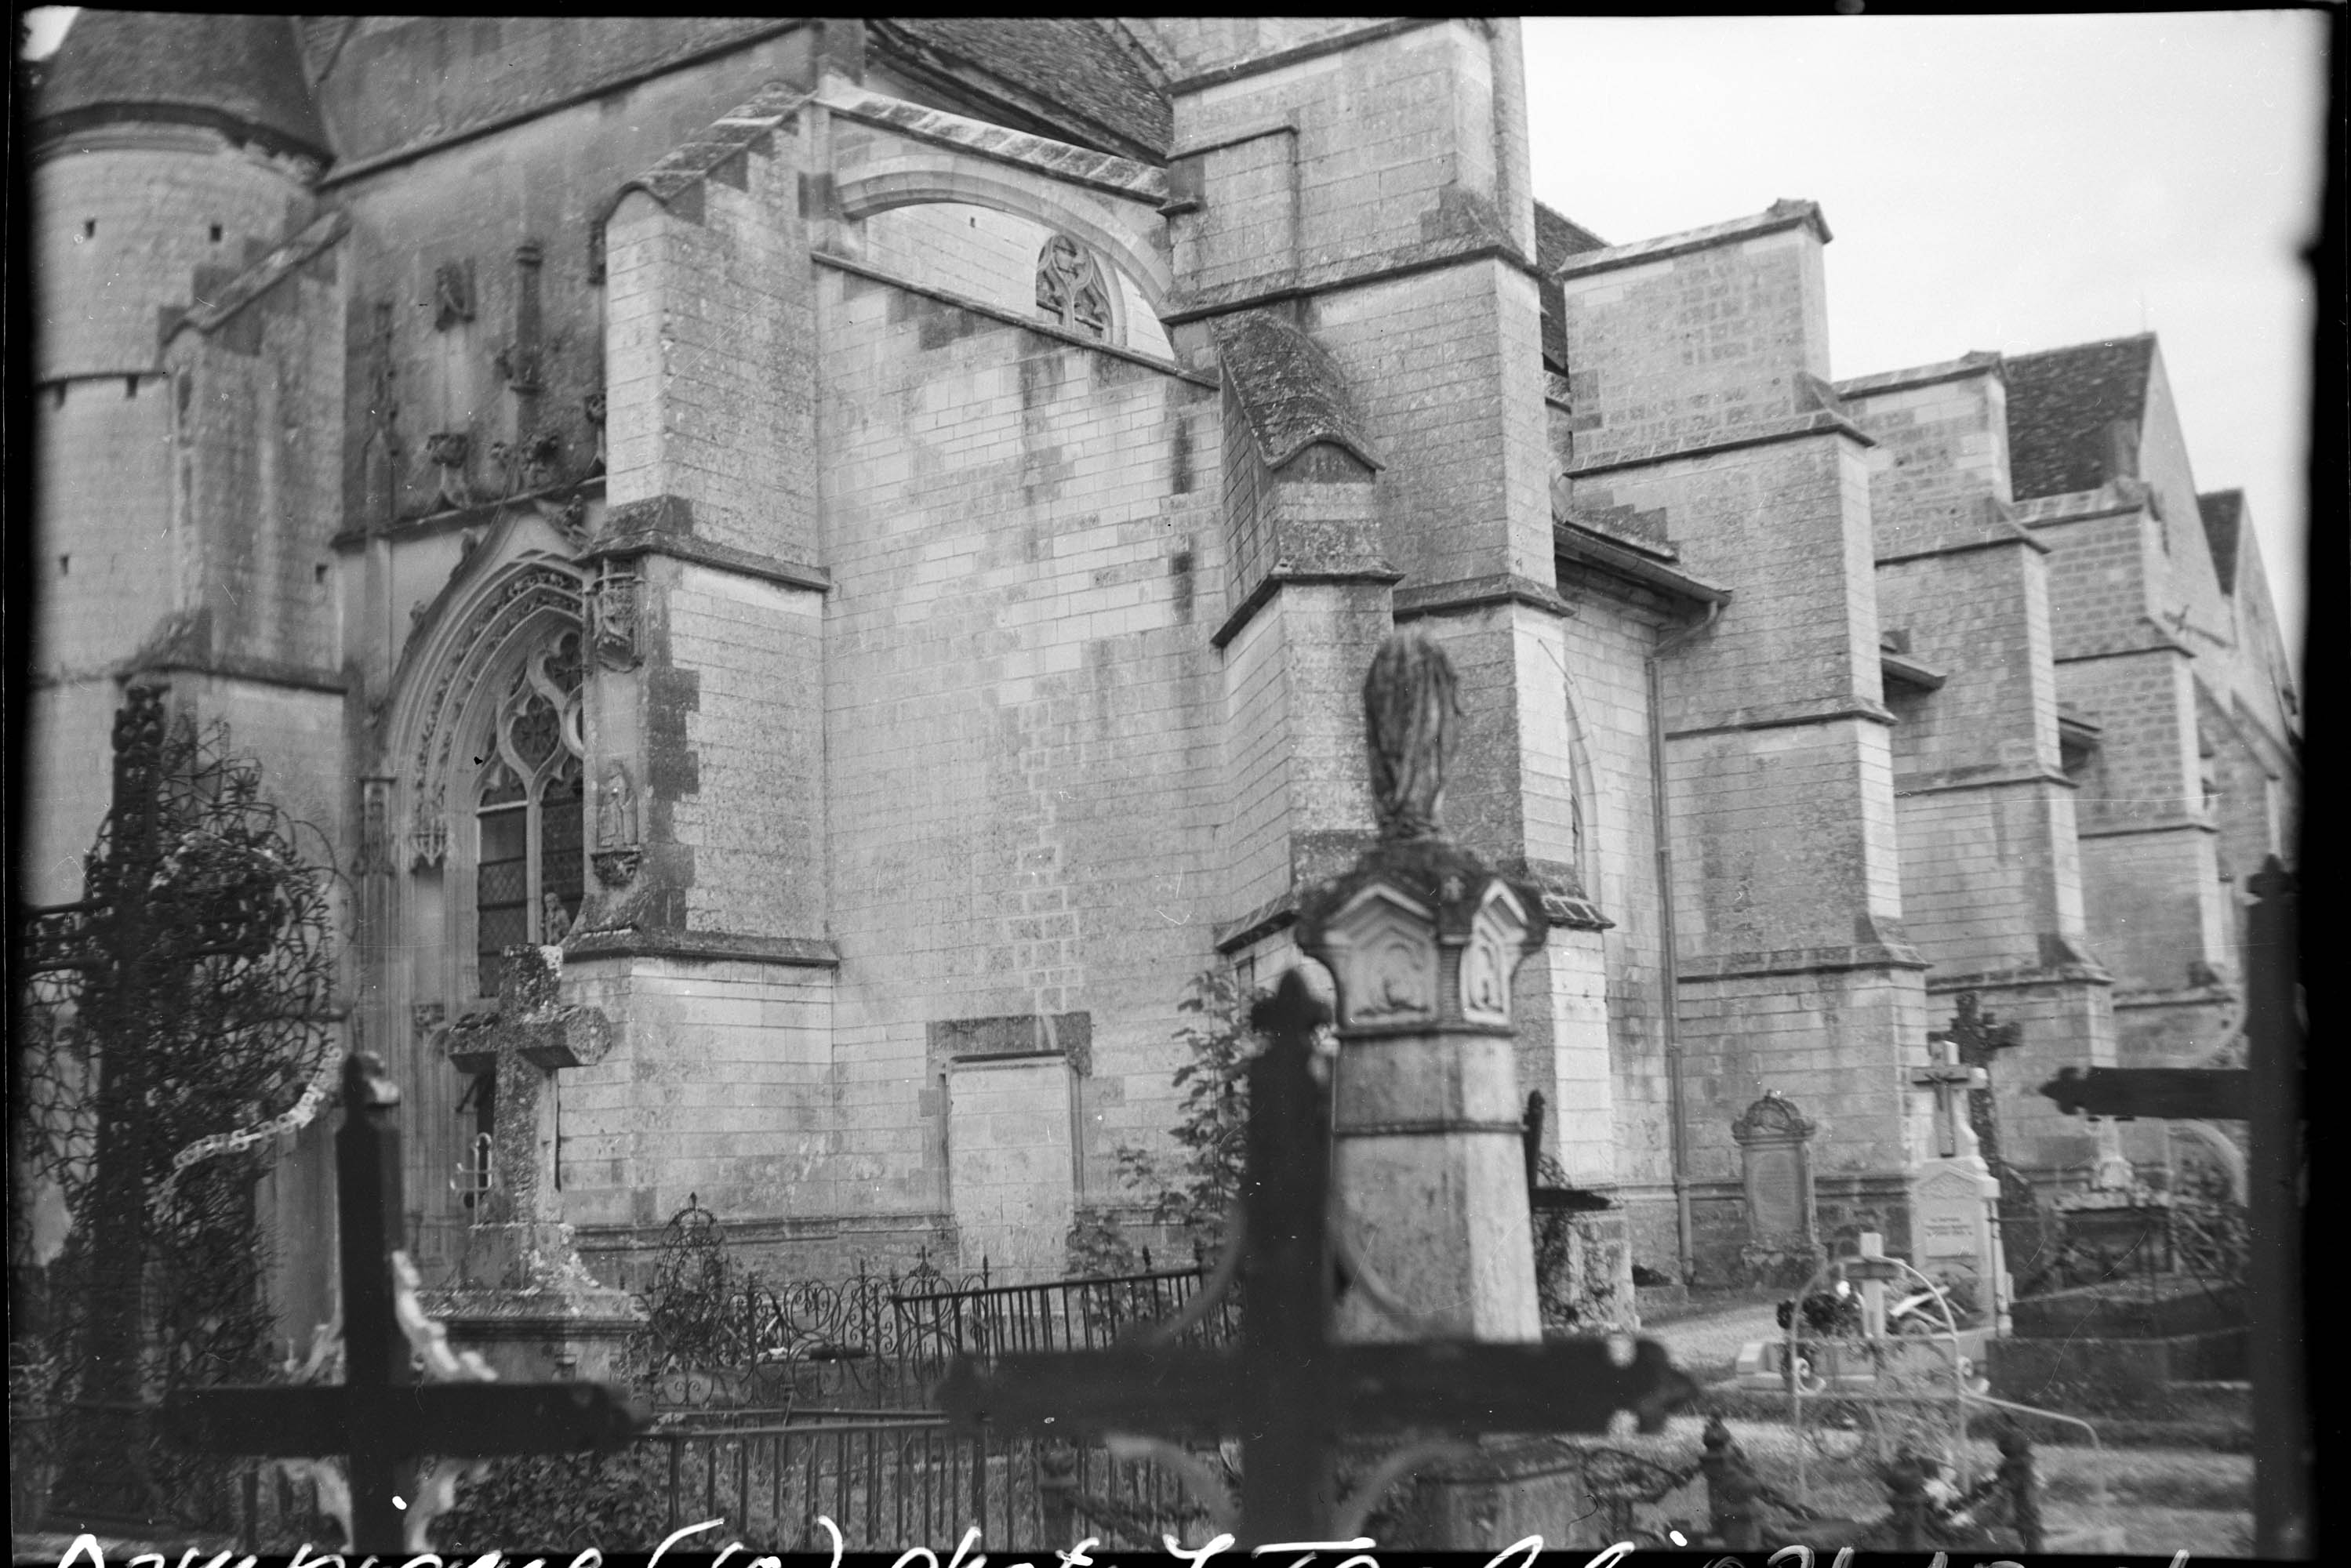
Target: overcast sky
x=2000 y=182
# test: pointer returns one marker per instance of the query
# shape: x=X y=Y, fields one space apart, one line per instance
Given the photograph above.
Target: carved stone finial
x=1410 y=700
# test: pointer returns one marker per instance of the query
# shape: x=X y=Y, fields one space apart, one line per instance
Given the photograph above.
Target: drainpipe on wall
x=1667 y=938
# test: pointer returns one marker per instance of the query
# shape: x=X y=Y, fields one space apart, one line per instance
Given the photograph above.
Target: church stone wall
x=1023 y=715
x=122 y=235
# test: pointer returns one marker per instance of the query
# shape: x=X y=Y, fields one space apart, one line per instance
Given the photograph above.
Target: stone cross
x=1946 y=1078
x=525 y=1042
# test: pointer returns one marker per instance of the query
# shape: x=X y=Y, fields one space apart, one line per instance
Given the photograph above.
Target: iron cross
x=1290 y=1391
x=381 y=1416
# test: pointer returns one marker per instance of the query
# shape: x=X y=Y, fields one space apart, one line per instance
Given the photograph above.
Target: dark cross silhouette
x=1978 y=1035
x=2267 y=1093
x=1290 y=1391
x=381 y=1416
x=133 y=937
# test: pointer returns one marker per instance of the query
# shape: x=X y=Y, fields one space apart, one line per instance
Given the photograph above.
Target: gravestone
x=1954 y=1196
x=1774 y=1141
x=522 y=1296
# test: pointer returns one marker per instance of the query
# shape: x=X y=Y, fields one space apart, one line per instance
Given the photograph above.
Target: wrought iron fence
x=718 y=1337
x=889 y=1480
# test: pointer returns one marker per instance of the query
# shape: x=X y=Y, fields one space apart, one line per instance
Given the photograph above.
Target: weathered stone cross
x=1946 y=1078
x=525 y=1042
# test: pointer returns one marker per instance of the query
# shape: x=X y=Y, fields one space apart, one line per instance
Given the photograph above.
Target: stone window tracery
x=530 y=808
x=1071 y=289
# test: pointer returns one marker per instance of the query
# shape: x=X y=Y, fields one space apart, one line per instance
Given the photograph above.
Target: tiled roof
x=1070 y=61
x=1557 y=237
x=2061 y=406
x=243 y=69
x=2224 y=516
x=1291 y=389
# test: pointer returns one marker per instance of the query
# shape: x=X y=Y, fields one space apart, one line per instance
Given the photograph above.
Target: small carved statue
x=453 y=295
x=1410 y=700
x=540 y=455
x=447 y=450
x=616 y=809
x=554 y=920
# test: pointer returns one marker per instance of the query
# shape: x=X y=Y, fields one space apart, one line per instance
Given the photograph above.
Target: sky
x=2009 y=183
x=2001 y=183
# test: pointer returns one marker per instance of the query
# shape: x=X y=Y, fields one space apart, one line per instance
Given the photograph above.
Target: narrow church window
x=530 y=813
x=131 y=386
x=89 y=229
x=65 y=565
x=1069 y=287
x=216 y=234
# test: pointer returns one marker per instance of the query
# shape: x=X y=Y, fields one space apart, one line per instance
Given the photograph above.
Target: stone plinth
x=1429 y=1167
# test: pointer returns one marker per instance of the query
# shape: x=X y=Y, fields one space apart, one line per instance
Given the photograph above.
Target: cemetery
x=1355 y=1360
x=883 y=777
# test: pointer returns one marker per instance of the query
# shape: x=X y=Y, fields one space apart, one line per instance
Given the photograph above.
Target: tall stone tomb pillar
x=1422 y=939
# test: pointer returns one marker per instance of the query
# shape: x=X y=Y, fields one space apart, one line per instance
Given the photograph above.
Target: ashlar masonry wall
x=1698 y=393
x=1023 y=750
x=1992 y=878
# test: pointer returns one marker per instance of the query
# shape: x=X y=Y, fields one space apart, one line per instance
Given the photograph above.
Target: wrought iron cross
x=1979 y=1036
x=1290 y=1391
x=133 y=938
x=1946 y=1077
x=381 y=1416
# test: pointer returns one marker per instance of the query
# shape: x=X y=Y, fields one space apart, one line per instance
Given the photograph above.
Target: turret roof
x=243 y=74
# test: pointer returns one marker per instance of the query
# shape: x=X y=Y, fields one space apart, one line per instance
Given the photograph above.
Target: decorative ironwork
x=172 y=1021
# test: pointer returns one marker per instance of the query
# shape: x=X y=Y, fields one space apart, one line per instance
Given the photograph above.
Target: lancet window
x=529 y=810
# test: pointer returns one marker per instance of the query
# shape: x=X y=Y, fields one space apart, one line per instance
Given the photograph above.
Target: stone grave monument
x=522 y=1296
x=1954 y=1196
x=1774 y=1141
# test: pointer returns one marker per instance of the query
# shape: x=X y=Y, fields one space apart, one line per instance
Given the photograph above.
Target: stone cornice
x=1819 y=421
x=1780 y=215
x=1574 y=541
x=1475 y=593
x=703 y=946
x=1798 y=961
x=1785 y=715
x=1376 y=573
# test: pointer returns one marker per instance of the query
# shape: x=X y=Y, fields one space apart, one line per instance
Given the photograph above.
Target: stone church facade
x=869 y=535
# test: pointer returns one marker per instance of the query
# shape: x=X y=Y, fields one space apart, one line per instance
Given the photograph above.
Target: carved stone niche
x=1382 y=949
x=612 y=615
x=1774 y=1143
x=1497 y=935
